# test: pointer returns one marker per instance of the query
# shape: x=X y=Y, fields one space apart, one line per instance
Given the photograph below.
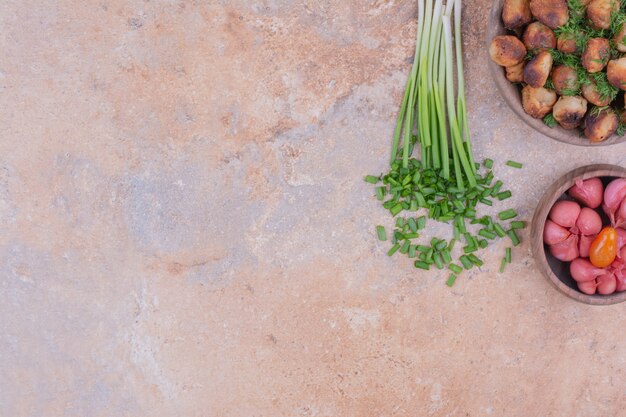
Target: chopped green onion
x=438 y=261
x=455 y=268
x=488 y=163
x=502 y=265
x=508 y=255
x=445 y=255
x=412 y=224
x=396 y=209
x=496 y=187
x=514 y=238
x=393 y=249
x=507 y=214
x=486 y=202
x=382 y=233
x=399 y=222
x=451 y=280
x=503 y=195
x=470 y=249
x=421 y=222
x=412 y=251
x=486 y=234
x=514 y=164
x=475 y=260
x=467 y=264
x=422 y=265
x=518 y=225
x=371 y=179
x=499 y=230
x=405 y=246
x=441 y=245
x=483 y=243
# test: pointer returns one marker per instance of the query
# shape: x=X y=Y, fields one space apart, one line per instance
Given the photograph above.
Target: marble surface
x=184 y=229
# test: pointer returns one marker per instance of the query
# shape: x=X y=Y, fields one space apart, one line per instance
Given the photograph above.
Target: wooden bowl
x=512 y=93
x=556 y=271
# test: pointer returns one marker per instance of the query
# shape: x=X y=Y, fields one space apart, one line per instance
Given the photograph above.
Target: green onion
x=486 y=202
x=514 y=164
x=514 y=238
x=486 y=234
x=393 y=249
x=445 y=255
x=499 y=230
x=496 y=187
x=507 y=214
x=372 y=179
x=422 y=265
x=405 y=247
x=438 y=260
x=381 y=232
x=441 y=245
x=412 y=251
x=451 y=280
x=483 y=243
x=518 y=225
x=467 y=264
x=475 y=260
x=470 y=248
x=503 y=195
x=396 y=209
x=508 y=255
x=502 y=265
x=380 y=193
x=488 y=163
x=455 y=268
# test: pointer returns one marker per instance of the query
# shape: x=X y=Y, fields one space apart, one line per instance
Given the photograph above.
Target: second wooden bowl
x=512 y=93
x=556 y=271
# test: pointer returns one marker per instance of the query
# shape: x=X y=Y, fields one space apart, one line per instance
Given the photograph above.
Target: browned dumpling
x=591 y=93
x=537 y=102
x=620 y=38
x=507 y=50
x=516 y=13
x=552 y=13
x=599 y=12
x=565 y=80
x=569 y=111
x=596 y=54
x=616 y=73
x=537 y=70
x=539 y=36
x=600 y=124
x=515 y=73
x=567 y=44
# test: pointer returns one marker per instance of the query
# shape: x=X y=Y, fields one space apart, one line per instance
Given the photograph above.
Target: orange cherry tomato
x=603 y=249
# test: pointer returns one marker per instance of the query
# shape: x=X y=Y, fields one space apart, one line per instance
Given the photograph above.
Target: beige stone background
x=184 y=229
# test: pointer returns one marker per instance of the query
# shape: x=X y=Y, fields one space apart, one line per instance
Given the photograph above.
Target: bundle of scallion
x=445 y=181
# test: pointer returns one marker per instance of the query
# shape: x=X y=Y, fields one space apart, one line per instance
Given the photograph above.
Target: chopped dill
x=549 y=120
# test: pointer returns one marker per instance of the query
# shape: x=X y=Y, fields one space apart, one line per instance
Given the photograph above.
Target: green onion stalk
x=442 y=178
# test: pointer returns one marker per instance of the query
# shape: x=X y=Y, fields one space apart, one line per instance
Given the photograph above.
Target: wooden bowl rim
x=551 y=195
x=511 y=93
